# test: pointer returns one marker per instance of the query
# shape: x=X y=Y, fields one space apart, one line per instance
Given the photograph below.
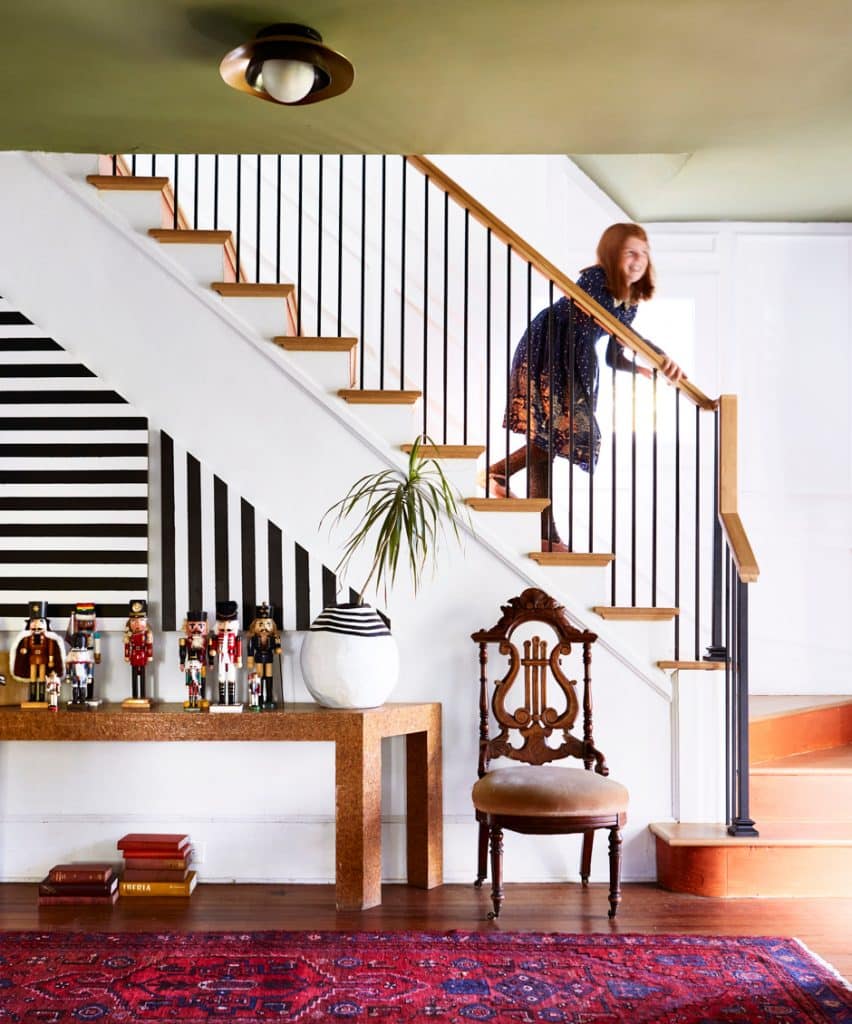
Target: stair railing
x=438 y=290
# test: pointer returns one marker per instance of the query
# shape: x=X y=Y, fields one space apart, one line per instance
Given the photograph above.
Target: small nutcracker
x=138 y=650
x=254 y=691
x=226 y=646
x=53 y=685
x=84 y=654
x=263 y=645
x=36 y=652
x=193 y=658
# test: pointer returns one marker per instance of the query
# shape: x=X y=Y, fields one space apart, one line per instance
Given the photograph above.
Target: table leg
x=358 y=838
x=424 y=821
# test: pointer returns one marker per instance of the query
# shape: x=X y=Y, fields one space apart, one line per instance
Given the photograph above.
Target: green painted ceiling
x=680 y=109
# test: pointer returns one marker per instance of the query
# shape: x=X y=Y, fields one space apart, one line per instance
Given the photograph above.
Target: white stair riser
x=587 y=584
x=268 y=315
x=331 y=370
x=519 y=531
x=204 y=261
x=699 y=711
x=142 y=210
x=391 y=422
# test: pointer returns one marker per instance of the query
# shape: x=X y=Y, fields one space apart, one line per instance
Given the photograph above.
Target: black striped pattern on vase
x=74 y=476
x=352 y=620
x=217 y=546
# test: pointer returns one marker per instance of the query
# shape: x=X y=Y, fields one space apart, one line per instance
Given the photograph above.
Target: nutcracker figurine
x=36 y=652
x=263 y=643
x=53 y=685
x=193 y=654
x=85 y=653
x=226 y=645
x=138 y=650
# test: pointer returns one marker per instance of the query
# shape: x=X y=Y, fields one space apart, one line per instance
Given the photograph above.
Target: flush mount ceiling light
x=287 y=64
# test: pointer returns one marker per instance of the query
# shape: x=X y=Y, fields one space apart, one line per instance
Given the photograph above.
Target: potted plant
x=349 y=658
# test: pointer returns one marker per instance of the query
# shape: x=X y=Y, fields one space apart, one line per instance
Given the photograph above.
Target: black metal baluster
x=633 y=488
x=697 y=532
x=528 y=437
x=361 y=347
x=278 y=225
x=321 y=163
x=488 y=360
x=402 y=249
x=115 y=165
x=299 y=234
x=153 y=165
x=382 y=265
x=614 y=510
x=340 y=246
x=677 y=527
x=175 y=210
x=446 y=286
x=216 y=197
x=257 y=221
x=729 y=729
x=132 y=164
x=654 y=488
x=550 y=519
x=425 y=398
x=239 y=210
x=195 y=195
x=742 y=824
x=716 y=651
x=572 y=412
x=465 y=325
x=508 y=349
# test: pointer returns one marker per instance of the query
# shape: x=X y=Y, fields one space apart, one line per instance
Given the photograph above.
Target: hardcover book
x=183 y=888
x=138 y=859
x=155 y=874
x=92 y=871
x=48 y=888
x=48 y=901
x=165 y=843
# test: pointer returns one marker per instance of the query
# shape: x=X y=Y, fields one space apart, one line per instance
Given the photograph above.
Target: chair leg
x=586 y=857
x=496 y=871
x=614 y=870
x=482 y=856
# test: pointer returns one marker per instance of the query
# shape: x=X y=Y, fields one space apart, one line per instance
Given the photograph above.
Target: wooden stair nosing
x=186 y=236
x=360 y=396
x=630 y=614
x=447 y=451
x=577 y=558
x=303 y=344
x=245 y=289
x=507 y=504
x=694 y=666
x=115 y=183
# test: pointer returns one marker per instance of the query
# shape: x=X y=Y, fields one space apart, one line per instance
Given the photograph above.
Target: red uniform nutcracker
x=193 y=658
x=226 y=645
x=36 y=653
x=138 y=645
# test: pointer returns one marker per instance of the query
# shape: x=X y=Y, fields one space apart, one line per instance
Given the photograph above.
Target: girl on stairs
x=563 y=380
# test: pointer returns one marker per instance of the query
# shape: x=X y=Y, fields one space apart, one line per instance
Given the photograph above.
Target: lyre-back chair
x=538 y=797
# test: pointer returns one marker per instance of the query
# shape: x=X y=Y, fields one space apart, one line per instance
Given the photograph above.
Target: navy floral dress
x=554 y=390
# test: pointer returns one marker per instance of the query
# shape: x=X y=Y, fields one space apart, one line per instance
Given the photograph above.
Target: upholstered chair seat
x=544 y=790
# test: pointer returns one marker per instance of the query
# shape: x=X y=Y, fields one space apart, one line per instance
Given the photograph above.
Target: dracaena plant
x=402 y=514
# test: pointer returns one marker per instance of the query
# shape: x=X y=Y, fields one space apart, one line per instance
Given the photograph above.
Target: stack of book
x=79 y=883
x=156 y=864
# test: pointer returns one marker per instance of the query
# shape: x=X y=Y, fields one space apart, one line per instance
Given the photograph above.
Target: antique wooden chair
x=538 y=797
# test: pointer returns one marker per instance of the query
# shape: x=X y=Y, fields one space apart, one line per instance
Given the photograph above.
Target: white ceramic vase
x=349 y=658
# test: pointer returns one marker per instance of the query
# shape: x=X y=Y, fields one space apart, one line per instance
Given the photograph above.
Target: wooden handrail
x=729 y=517
x=552 y=273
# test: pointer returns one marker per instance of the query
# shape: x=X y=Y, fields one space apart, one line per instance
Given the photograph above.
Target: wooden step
x=302 y=344
x=578 y=558
x=787 y=859
x=186 y=237
x=447 y=451
x=694 y=666
x=630 y=614
x=816 y=786
x=782 y=733
x=358 y=396
x=131 y=183
x=247 y=290
x=507 y=504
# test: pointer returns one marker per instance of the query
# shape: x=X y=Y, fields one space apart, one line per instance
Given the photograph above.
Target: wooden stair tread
x=772 y=833
x=361 y=396
x=184 y=236
x=244 y=289
x=126 y=183
x=577 y=558
x=507 y=504
x=696 y=666
x=302 y=344
x=631 y=614
x=830 y=761
x=447 y=451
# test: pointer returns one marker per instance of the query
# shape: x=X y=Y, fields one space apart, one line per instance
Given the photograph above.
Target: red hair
x=610 y=248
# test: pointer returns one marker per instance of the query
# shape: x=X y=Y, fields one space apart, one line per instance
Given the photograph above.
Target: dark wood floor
x=822 y=924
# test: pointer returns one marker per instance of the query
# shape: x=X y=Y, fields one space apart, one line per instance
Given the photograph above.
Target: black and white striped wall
x=73 y=483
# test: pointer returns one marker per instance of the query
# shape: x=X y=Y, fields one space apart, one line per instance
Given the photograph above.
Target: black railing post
x=716 y=651
x=742 y=825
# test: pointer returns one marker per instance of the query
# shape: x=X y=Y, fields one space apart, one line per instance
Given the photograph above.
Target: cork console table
x=357 y=737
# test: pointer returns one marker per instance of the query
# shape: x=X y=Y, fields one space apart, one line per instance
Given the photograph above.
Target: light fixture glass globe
x=287 y=81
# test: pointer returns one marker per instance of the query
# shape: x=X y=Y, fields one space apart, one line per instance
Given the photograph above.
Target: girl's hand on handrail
x=672 y=370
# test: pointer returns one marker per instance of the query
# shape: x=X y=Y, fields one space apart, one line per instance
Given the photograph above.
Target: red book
x=134 y=859
x=155 y=875
x=53 y=901
x=48 y=888
x=161 y=842
x=84 y=871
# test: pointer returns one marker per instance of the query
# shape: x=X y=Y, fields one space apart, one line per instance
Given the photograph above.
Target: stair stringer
x=88 y=300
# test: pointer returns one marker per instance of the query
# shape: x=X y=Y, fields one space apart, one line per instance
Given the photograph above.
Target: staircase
x=801 y=798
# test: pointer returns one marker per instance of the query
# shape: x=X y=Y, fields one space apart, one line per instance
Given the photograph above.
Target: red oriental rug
x=521 y=978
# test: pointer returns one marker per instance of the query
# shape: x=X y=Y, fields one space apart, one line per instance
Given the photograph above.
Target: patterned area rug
x=53 y=978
